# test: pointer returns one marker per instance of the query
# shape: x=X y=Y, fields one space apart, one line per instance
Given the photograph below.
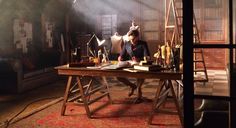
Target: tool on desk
x=91 y=52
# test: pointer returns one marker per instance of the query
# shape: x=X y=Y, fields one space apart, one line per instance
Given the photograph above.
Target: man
x=134 y=26
x=135 y=50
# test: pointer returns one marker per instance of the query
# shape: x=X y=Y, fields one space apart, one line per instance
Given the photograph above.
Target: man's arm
x=146 y=51
x=123 y=53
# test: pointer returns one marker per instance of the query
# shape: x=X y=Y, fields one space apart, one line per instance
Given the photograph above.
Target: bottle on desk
x=104 y=58
x=99 y=56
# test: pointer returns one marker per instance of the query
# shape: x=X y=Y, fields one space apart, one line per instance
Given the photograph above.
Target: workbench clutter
x=96 y=60
x=96 y=50
x=168 y=56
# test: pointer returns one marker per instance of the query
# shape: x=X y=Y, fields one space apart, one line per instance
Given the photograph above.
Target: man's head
x=133 y=36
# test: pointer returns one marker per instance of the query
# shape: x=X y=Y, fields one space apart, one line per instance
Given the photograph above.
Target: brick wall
x=215 y=58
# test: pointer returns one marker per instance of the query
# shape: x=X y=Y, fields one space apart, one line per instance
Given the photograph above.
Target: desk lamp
x=100 y=43
x=88 y=48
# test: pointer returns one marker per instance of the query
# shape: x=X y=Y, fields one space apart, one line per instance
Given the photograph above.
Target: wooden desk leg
x=180 y=86
x=156 y=99
x=66 y=96
x=83 y=97
x=176 y=102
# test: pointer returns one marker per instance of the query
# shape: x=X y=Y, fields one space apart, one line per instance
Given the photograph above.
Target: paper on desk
x=120 y=64
x=113 y=66
x=93 y=67
x=132 y=70
x=101 y=66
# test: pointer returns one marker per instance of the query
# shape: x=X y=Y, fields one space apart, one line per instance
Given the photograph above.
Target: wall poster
x=22 y=34
x=49 y=26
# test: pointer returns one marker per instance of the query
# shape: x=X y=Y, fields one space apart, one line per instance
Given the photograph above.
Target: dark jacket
x=139 y=51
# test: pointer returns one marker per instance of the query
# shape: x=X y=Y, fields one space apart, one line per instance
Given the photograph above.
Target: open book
x=120 y=64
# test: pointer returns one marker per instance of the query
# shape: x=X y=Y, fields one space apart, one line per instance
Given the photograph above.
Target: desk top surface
x=83 y=71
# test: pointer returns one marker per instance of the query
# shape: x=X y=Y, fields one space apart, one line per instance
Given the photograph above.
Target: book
x=119 y=65
x=149 y=62
x=148 y=67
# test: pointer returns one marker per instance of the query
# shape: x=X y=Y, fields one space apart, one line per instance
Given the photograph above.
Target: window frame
x=188 y=47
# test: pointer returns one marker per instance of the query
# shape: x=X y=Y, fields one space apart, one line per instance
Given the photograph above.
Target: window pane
x=210 y=113
x=211 y=17
x=216 y=75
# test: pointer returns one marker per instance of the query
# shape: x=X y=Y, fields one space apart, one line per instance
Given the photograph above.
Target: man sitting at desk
x=135 y=50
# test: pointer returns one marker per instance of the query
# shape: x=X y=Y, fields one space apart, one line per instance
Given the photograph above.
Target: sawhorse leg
x=165 y=86
x=85 y=92
x=68 y=85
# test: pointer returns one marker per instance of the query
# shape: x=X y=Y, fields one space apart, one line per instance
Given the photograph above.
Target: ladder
x=200 y=70
x=174 y=34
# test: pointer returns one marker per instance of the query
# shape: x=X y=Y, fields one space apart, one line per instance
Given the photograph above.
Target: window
x=109 y=25
x=210 y=15
x=218 y=14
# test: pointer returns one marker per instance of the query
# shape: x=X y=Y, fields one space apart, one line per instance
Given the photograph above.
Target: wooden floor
x=217 y=85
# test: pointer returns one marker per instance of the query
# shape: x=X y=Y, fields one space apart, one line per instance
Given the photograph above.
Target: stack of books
x=148 y=67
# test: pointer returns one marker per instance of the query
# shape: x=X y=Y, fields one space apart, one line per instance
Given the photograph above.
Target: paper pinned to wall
x=62 y=43
x=22 y=34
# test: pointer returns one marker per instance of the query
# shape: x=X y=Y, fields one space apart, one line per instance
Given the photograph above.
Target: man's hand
x=120 y=58
x=146 y=58
x=135 y=59
x=132 y=63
